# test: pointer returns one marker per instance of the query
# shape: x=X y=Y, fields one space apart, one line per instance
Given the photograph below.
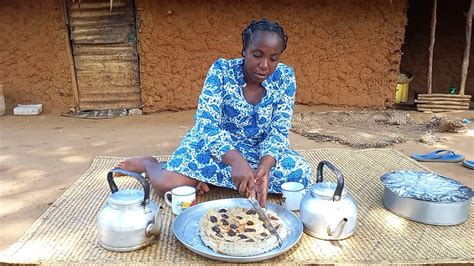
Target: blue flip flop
x=446 y=156
x=468 y=164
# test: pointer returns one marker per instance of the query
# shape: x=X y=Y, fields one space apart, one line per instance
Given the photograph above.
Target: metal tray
x=186 y=228
x=426 y=197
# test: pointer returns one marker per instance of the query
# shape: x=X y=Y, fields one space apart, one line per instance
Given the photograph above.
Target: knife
x=264 y=218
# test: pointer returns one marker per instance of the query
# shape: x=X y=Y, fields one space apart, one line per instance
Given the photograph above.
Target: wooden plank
x=107 y=67
x=110 y=97
x=102 y=22
x=444 y=102
x=94 y=49
x=106 y=58
x=438 y=110
x=113 y=89
x=99 y=5
x=440 y=106
x=70 y=57
x=444 y=95
x=467 y=48
x=436 y=99
x=431 y=47
x=106 y=35
x=109 y=105
x=101 y=13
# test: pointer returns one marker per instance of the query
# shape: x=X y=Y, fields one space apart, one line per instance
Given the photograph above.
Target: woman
x=240 y=137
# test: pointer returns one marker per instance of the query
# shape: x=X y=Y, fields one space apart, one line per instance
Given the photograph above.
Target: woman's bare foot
x=136 y=165
x=202 y=188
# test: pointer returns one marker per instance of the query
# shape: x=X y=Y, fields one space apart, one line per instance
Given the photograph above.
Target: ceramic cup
x=180 y=198
x=293 y=193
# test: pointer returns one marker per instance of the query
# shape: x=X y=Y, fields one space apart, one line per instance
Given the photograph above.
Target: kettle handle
x=140 y=178
x=340 y=178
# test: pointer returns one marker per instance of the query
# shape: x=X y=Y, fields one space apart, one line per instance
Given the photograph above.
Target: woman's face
x=262 y=56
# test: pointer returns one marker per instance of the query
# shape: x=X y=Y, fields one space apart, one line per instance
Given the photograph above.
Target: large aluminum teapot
x=327 y=210
x=128 y=221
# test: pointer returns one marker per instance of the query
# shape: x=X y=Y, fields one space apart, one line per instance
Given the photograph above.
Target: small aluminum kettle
x=327 y=211
x=128 y=221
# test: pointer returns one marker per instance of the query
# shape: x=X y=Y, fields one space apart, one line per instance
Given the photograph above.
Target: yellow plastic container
x=398 y=93
x=404 y=92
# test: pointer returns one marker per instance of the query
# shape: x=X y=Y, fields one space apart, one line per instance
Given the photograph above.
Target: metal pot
x=426 y=197
x=128 y=221
x=327 y=210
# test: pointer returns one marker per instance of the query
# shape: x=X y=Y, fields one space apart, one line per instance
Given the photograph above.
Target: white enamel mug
x=180 y=198
x=293 y=193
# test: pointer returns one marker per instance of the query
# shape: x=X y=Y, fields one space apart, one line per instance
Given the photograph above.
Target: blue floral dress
x=225 y=121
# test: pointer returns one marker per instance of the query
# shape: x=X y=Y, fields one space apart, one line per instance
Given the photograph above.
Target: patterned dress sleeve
x=208 y=115
x=277 y=140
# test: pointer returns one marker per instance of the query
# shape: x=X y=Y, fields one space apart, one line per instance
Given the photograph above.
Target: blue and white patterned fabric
x=225 y=120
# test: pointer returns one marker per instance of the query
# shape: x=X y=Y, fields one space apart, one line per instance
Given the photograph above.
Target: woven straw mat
x=360 y=129
x=66 y=232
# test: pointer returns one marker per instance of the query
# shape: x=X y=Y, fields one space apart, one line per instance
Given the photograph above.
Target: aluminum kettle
x=327 y=210
x=128 y=221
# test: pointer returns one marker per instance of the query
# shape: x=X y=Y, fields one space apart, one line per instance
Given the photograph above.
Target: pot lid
x=326 y=189
x=127 y=197
x=426 y=186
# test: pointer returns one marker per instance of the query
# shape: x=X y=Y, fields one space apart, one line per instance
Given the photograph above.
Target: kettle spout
x=154 y=229
x=336 y=231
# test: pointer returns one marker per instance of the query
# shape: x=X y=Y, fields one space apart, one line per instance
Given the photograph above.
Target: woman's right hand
x=242 y=174
x=243 y=177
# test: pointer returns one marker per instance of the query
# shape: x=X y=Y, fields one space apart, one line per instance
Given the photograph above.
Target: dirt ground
x=42 y=156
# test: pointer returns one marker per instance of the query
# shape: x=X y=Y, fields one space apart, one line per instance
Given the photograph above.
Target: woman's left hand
x=261 y=185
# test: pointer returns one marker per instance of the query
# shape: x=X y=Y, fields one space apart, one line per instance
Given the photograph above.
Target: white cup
x=180 y=198
x=293 y=193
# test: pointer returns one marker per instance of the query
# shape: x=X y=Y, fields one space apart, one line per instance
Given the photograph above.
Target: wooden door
x=104 y=47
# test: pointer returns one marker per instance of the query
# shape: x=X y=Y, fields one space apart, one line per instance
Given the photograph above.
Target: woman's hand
x=242 y=174
x=261 y=185
x=243 y=177
x=261 y=178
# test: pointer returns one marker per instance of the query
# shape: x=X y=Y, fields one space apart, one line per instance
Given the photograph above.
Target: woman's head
x=263 y=42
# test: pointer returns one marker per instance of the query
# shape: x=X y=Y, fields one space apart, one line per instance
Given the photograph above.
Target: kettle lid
x=126 y=197
x=325 y=189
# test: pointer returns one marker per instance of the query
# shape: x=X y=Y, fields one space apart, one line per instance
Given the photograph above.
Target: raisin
x=247 y=230
x=213 y=219
x=249 y=223
x=219 y=235
x=251 y=212
x=233 y=226
x=222 y=210
x=224 y=222
x=263 y=234
x=216 y=229
x=225 y=216
x=273 y=218
x=239 y=217
x=250 y=240
x=231 y=233
x=242 y=236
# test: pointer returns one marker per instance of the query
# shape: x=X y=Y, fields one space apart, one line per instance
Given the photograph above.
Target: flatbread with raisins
x=238 y=231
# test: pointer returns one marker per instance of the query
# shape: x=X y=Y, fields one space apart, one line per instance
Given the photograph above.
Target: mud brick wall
x=34 y=66
x=345 y=53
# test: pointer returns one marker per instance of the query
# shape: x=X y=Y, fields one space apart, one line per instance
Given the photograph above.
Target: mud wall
x=344 y=52
x=33 y=62
x=448 y=50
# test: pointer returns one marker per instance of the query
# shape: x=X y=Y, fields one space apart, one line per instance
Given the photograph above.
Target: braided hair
x=262 y=25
